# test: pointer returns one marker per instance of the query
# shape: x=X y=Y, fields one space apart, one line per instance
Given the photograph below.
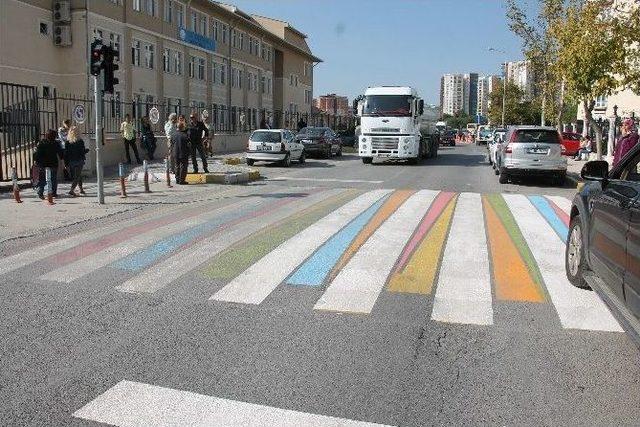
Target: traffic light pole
x=98 y=82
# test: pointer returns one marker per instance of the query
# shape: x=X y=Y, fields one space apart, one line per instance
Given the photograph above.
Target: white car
x=274 y=145
x=495 y=144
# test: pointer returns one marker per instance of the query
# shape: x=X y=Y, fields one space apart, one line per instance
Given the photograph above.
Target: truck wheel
x=367 y=160
x=250 y=162
x=503 y=178
x=574 y=259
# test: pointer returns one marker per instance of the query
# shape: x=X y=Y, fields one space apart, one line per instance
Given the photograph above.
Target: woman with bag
x=148 y=138
x=75 y=155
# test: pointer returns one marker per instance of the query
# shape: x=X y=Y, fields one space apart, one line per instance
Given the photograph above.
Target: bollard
x=166 y=166
x=47 y=174
x=123 y=188
x=16 y=189
x=145 y=167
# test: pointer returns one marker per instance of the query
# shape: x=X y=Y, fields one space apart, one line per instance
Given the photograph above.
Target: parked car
x=571 y=143
x=603 y=245
x=448 y=137
x=274 y=145
x=320 y=141
x=347 y=138
x=495 y=145
x=484 y=134
x=531 y=151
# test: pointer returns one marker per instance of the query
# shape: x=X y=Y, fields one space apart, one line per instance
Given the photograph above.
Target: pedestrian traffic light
x=110 y=67
x=96 y=57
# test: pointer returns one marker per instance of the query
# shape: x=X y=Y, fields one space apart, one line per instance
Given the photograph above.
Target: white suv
x=274 y=145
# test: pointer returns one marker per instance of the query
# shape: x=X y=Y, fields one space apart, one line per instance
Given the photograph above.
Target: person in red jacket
x=626 y=142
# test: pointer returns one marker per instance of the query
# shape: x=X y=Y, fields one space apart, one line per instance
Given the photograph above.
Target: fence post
x=145 y=167
x=123 y=188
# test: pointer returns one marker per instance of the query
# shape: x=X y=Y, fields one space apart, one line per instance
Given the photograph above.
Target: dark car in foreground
x=603 y=245
x=320 y=141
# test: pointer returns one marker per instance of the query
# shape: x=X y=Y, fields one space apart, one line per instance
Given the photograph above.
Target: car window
x=265 y=136
x=631 y=172
x=537 y=136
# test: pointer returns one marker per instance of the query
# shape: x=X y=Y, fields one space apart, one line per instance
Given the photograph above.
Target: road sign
x=79 y=114
x=154 y=115
x=205 y=114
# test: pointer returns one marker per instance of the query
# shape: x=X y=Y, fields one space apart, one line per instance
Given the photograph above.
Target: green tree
x=517 y=109
x=459 y=120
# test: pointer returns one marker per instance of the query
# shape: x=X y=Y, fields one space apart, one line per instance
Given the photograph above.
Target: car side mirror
x=596 y=170
x=421 y=107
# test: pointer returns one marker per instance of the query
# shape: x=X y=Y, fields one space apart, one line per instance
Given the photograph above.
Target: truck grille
x=384 y=143
x=381 y=130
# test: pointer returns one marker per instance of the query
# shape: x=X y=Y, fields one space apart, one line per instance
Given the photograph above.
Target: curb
x=223 y=177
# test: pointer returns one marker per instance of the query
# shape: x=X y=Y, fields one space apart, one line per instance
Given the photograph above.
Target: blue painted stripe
x=316 y=268
x=148 y=256
x=550 y=215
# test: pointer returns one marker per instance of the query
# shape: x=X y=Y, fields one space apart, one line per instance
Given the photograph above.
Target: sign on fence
x=154 y=115
x=79 y=114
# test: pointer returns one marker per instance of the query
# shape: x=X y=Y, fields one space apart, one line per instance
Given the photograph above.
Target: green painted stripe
x=233 y=261
x=509 y=222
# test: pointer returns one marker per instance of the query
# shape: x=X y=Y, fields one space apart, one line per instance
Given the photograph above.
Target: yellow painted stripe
x=420 y=272
x=512 y=279
x=385 y=211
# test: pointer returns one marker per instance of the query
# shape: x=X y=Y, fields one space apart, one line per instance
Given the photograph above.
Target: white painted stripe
x=577 y=308
x=257 y=282
x=134 y=404
x=358 y=285
x=161 y=275
x=288 y=178
x=463 y=293
x=562 y=202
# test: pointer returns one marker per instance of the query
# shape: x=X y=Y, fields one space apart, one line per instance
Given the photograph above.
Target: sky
x=396 y=42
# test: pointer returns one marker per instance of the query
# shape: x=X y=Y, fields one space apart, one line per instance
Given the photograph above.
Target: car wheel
x=574 y=259
x=503 y=178
x=287 y=161
x=367 y=160
x=250 y=162
x=302 y=159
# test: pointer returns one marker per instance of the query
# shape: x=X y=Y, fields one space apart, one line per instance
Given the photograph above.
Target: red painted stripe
x=559 y=212
x=427 y=222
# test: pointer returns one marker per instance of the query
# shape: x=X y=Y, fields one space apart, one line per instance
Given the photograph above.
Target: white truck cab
x=390 y=125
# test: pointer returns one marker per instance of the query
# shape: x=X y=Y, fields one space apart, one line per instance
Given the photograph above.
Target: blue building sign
x=196 y=39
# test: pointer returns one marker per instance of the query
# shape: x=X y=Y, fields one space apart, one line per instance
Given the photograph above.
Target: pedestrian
x=148 y=139
x=585 y=147
x=169 y=127
x=129 y=139
x=208 y=142
x=301 y=124
x=47 y=155
x=75 y=154
x=627 y=140
x=263 y=123
x=180 y=153
x=63 y=132
x=197 y=132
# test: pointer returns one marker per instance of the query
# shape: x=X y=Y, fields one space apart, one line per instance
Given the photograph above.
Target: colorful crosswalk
x=462 y=253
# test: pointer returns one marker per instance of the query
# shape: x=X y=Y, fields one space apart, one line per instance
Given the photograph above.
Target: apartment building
x=452 y=93
x=332 y=104
x=179 y=54
x=521 y=74
x=486 y=85
x=470 y=93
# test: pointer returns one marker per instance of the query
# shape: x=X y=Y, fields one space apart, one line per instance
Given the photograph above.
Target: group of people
x=65 y=145
x=186 y=140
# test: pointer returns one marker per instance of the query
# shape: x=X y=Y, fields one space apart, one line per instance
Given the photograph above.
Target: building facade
x=178 y=54
x=471 y=93
x=333 y=104
x=452 y=93
x=521 y=74
x=486 y=85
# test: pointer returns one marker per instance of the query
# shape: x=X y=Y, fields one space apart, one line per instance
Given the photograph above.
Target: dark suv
x=603 y=246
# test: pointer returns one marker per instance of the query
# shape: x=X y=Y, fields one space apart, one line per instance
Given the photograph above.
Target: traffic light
x=110 y=55
x=97 y=49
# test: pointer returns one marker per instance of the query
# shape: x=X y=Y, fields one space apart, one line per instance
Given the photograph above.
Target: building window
x=214 y=30
x=290 y=79
x=47 y=91
x=234 y=38
x=135 y=53
x=201 y=69
x=137 y=5
x=215 y=73
x=149 y=51
x=114 y=42
x=601 y=102
x=43 y=27
x=263 y=84
x=148 y=6
x=225 y=33
x=202 y=29
x=166 y=67
x=192 y=67
x=223 y=72
x=241 y=41
x=179 y=12
x=307 y=96
x=177 y=63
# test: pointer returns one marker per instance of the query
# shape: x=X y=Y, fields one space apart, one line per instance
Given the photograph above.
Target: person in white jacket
x=169 y=128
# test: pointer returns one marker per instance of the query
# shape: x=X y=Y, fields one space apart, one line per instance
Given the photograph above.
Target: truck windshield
x=387 y=105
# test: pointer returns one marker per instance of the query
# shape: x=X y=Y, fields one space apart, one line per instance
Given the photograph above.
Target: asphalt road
x=176 y=315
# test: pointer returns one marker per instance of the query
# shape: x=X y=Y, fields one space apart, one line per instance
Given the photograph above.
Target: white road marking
x=463 y=293
x=288 y=178
x=257 y=282
x=134 y=404
x=161 y=275
x=562 y=202
x=576 y=308
x=358 y=285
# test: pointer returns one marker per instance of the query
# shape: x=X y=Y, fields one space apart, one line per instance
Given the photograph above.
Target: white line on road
x=357 y=287
x=287 y=178
x=129 y=404
x=257 y=282
x=577 y=308
x=463 y=293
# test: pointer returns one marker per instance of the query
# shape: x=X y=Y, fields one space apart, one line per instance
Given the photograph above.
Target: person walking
x=129 y=138
x=301 y=124
x=148 y=140
x=47 y=155
x=63 y=132
x=263 y=123
x=628 y=139
x=169 y=127
x=180 y=153
x=196 y=130
x=75 y=154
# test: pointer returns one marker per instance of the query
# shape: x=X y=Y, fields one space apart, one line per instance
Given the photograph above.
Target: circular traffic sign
x=79 y=114
x=154 y=115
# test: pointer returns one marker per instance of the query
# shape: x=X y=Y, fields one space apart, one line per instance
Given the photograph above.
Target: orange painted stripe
x=385 y=211
x=512 y=279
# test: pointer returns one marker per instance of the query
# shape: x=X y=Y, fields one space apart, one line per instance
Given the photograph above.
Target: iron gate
x=19 y=129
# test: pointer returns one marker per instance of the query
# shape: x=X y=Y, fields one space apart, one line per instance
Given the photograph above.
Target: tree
x=591 y=55
x=459 y=120
x=517 y=109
